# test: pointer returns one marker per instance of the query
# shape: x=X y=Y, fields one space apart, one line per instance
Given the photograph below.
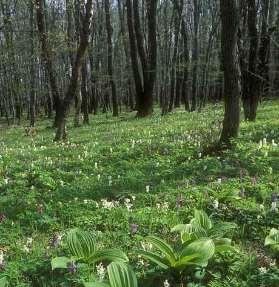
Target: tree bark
x=110 y=59
x=230 y=63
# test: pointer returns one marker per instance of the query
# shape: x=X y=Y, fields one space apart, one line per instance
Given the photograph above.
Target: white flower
x=29 y=241
x=166 y=283
x=262 y=270
x=274 y=206
x=108 y=204
x=26 y=249
x=1 y=257
x=219 y=180
x=98 y=177
x=216 y=204
x=146 y=246
x=147 y=188
x=96 y=165
x=101 y=271
x=261 y=207
x=128 y=204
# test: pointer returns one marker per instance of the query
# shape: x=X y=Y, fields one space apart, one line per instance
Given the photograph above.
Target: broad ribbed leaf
x=81 y=243
x=60 y=262
x=163 y=247
x=155 y=258
x=194 y=231
x=186 y=260
x=272 y=238
x=224 y=248
x=95 y=284
x=202 y=250
x=109 y=255
x=121 y=275
x=202 y=219
x=3 y=282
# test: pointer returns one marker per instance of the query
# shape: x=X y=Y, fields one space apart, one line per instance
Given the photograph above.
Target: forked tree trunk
x=62 y=106
x=148 y=57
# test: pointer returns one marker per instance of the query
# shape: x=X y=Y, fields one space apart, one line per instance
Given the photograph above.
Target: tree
x=147 y=54
x=62 y=105
x=229 y=32
x=32 y=102
x=110 y=59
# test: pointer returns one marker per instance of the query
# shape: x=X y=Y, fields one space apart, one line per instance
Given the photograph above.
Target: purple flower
x=254 y=180
x=55 y=240
x=134 y=228
x=72 y=267
x=179 y=201
x=2 y=217
x=242 y=193
x=40 y=208
x=274 y=197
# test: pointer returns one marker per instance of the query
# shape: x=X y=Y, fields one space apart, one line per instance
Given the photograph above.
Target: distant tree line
x=86 y=57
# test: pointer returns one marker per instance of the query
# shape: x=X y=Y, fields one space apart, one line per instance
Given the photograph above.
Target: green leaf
x=163 y=247
x=202 y=219
x=186 y=260
x=60 y=262
x=81 y=243
x=109 y=255
x=121 y=275
x=201 y=250
x=224 y=248
x=3 y=282
x=155 y=258
x=95 y=284
x=272 y=238
x=189 y=231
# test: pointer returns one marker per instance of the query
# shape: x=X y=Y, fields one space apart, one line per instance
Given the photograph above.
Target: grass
x=47 y=188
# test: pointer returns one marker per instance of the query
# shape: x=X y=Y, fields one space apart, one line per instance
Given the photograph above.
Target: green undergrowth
x=148 y=172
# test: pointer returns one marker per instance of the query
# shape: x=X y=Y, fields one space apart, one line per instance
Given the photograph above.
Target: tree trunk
x=229 y=20
x=110 y=59
x=32 y=104
x=195 y=55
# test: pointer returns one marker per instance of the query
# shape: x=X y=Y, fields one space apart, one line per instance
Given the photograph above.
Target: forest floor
x=145 y=174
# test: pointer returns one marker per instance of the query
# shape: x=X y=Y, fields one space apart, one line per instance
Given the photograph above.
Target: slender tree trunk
x=32 y=104
x=84 y=92
x=250 y=102
x=195 y=55
x=110 y=59
x=174 y=58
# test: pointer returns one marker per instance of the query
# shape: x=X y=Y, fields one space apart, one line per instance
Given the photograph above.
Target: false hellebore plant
x=83 y=250
x=201 y=239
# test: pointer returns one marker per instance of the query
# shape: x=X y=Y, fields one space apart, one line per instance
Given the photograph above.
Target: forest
x=139 y=143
